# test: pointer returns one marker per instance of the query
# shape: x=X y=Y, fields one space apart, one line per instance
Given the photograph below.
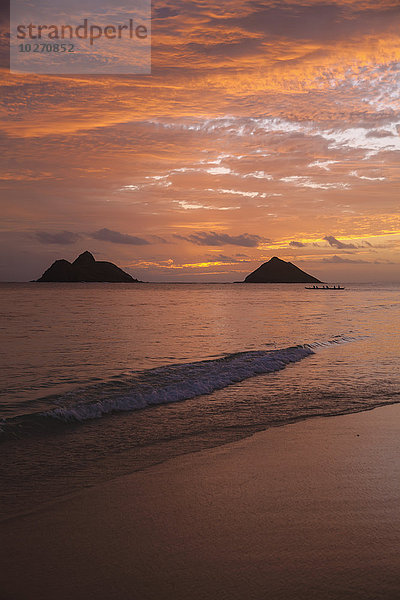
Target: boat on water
x=324 y=287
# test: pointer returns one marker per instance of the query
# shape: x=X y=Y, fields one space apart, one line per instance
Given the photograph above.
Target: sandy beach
x=305 y=511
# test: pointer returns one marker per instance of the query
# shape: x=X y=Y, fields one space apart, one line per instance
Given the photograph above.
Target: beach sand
x=305 y=511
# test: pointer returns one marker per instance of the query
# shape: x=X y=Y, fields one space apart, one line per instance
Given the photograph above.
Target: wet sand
x=309 y=511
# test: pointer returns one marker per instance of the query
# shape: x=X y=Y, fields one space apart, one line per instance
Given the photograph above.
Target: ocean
x=100 y=380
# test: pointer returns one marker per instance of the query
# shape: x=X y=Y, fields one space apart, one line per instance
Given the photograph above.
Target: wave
x=174 y=383
x=162 y=385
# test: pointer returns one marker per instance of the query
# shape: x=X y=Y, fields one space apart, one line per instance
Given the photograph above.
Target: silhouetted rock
x=86 y=268
x=86 y=259
x=279 y=271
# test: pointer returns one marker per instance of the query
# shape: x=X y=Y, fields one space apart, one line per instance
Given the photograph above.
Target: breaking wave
x=161 y=385
x=174 y=383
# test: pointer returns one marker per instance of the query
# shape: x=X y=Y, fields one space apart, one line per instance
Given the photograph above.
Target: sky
x=266 y=128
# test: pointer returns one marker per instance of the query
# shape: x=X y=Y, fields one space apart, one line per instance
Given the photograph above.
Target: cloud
x=218 y=170
x=115 y=237
x=379 y=133
x=301 y=181
x=237 y=193
x=212 y=238
x=297 y=244
x=62 y=238
x=164 y=12
x=332 y=241
x=157 y=239
x=323 y=164
x=271 y=108
x=258 y=175
x=223 y=258
x=367 y=178
x=339 y=260
x=195 y=206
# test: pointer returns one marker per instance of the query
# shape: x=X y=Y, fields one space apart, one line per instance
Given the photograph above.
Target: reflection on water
x=58 y=337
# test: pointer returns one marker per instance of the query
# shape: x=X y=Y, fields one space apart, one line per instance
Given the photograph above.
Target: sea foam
x=177 y=382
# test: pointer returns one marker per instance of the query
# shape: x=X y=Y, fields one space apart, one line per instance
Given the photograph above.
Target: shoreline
x=95 y=481
x=307 y=510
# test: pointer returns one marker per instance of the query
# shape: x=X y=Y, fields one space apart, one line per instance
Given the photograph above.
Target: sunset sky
x=267 y=128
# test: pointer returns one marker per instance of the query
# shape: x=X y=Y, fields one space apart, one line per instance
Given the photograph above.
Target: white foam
x=174 y=383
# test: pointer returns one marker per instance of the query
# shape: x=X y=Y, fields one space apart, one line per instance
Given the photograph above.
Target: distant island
x=86 y=269
x=279 y=271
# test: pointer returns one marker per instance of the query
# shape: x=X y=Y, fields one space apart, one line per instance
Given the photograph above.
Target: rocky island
x=86 y=269
x=279 y=271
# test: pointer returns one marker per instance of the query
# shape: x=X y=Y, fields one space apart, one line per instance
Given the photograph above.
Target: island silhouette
x=277 y=270
x=86 y=269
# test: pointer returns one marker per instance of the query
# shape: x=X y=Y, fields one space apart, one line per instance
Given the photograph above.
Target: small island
x=279 y=271
x=86 y=269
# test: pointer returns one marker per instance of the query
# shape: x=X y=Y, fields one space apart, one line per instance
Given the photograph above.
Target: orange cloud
x=280 y=119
